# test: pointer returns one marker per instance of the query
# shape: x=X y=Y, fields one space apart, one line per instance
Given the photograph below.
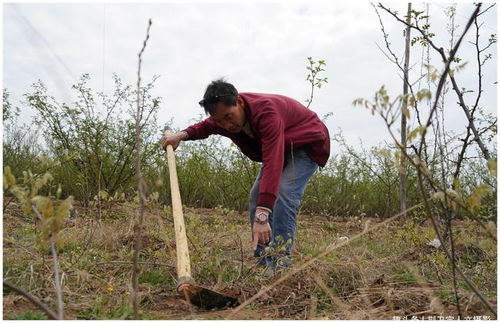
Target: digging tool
x=194 y=294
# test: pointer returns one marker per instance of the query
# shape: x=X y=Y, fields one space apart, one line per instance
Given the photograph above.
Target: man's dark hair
x=218 y=91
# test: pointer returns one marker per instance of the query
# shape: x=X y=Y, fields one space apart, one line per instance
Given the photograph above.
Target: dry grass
x=384 y=274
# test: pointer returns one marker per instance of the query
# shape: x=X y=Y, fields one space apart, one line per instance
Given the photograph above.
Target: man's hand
x=173 y=140
x=261 y=232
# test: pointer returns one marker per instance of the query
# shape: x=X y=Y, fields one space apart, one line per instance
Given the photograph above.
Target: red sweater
x=278 y=124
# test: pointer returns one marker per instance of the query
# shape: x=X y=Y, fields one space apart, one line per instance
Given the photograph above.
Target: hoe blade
x=205 y=298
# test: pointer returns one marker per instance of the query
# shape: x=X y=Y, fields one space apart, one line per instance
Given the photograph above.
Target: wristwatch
x=261 y=217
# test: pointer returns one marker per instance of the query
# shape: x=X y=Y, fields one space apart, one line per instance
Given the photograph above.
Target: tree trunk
x=402 y=170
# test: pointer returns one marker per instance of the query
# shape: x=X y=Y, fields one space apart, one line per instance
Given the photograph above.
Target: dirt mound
x=147 y=241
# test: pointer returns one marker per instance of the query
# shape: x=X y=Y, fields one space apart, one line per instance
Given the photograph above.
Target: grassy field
x=390 y=272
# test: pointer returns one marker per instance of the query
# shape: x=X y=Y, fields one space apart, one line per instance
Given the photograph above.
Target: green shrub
x=92 y=143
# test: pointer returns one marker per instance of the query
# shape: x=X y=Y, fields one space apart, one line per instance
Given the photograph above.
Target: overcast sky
x=258 y=46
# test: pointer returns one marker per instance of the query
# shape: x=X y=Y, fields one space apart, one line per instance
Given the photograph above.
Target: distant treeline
x=88 y=147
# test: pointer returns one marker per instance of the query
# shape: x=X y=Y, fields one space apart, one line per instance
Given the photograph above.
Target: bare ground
x=387 y=273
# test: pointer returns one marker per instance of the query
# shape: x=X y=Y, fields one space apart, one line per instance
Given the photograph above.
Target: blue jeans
x=296 y=174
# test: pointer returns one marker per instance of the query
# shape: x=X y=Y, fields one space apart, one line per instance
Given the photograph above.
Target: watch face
x=261 y=216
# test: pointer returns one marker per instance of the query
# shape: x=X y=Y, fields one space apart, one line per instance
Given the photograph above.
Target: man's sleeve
x=201 y=130
x=272 y=133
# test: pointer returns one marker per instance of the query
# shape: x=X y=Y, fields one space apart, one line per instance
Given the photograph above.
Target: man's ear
x=239 y=101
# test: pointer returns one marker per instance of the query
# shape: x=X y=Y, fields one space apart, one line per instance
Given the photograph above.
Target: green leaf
x=406 y=112
x=438 y=196
x=424 y=94
x=492 y=166
x=418 y=130
x=59 y=191
x=452 y=193
x=47 y=177
x=44 y=205
x=8 y=178
x=474 y=200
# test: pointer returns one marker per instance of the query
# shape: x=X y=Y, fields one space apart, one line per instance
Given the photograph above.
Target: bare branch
x=32 y=298
x=485 y=10
x=394 y=58
x=439 y=49
x=432 y=182
x=448 y=61
x=421 y=173
x=446 y=71
x=55 y=263
x=440 y=237
x=140 y=182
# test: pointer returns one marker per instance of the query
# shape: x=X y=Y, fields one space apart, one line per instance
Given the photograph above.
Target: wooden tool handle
x=183 y=264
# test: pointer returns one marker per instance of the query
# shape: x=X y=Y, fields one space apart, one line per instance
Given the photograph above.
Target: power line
x=45 y=42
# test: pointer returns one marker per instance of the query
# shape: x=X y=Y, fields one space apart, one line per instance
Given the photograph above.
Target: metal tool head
x=167 y=130
x=205 y=298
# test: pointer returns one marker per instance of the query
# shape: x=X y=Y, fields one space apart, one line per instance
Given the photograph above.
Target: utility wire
x=45 y=42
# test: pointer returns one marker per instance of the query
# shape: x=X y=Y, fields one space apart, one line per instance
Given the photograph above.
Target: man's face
x=230 y=118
